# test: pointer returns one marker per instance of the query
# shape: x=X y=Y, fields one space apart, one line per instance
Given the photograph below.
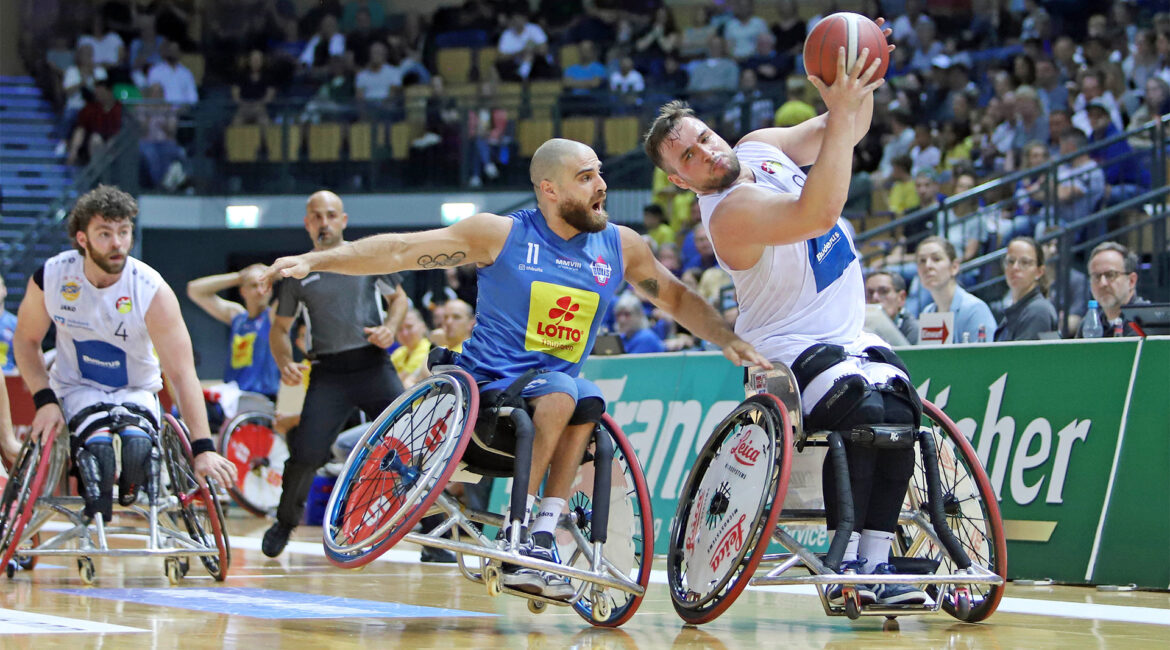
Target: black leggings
x=878 y=478
x=331 y=398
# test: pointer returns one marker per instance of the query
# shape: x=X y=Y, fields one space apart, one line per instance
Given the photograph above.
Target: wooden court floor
x=297 y=601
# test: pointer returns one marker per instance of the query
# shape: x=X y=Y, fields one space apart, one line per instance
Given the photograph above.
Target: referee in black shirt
x=347 y=334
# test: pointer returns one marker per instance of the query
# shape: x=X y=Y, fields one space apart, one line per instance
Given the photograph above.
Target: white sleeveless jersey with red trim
x=102 y=340
x=796 y=294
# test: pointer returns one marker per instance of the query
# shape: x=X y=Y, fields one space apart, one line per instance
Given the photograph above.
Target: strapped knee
x=136 y=447
x=851 y=401
x=588 y=410
x=816 y=360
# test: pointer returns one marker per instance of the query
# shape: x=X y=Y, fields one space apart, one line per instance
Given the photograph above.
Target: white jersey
x=798 y=294
x=102 y=341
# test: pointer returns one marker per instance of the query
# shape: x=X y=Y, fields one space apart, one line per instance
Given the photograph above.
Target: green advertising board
x=1083 y=499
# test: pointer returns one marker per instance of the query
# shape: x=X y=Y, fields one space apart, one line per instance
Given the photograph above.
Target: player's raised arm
x=477 y=239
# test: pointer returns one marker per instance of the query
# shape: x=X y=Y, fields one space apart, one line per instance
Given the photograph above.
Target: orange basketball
x=852 y=31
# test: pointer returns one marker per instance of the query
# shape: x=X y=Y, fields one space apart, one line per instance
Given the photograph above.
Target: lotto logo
x=564 y=309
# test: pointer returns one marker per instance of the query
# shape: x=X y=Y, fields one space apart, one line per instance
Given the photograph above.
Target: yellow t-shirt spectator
x=903 y=197
x=959 y=153
x=408 y=360
x=793 y=112
x=662 y=234
x=675 y=202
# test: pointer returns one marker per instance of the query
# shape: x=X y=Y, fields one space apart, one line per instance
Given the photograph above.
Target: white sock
x=875 y=547
x=547 y=515
x=851 y=547
x=530 y=500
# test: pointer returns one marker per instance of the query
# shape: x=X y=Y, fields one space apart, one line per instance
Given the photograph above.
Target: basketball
x=852 y=31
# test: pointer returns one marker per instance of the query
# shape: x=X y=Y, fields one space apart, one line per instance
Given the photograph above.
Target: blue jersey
x=7 y=330
x=250 y=363
x=540 y=304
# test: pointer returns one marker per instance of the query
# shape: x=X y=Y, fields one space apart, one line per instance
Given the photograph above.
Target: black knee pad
x=136 y=448
x=588 y=410
x=96 y=466
x=816 y=360
x=849 y=402
x=886 y=356
x=902 y=403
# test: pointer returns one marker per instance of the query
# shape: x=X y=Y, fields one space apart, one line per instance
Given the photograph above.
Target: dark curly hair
x=664 y=125
x=107 y=201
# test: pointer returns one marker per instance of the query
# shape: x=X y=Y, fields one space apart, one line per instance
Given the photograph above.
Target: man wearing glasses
x=1113 y=281
x=889 y=290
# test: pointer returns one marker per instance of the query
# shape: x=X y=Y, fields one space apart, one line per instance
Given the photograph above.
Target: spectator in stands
x=1028 y=313
x=443 y=128
x=351 y=14
x=674 y=78
x=768 y=64
x=1142 y=63
x=654 y=220
x=658 y=40
x=965 y=227
x=1113 y=282
x=749 y=109
x=928 y=49
x=7 y=358
x=898 y=141
x=1033 y=202
x=789 y=30
x=523 y=51
x=582 y=82
x=1059 y=123
x=177 y=82
x=458 y=320
x=670 y=257
x=1031 y=124
x=633 y=327
x=1049 y=86
x=80 y=77
x=97 y=124
x=145 y=51
x=796 y=109
x=410 y=357
x=162 y=157
x=362 y=34
x=715 y=73
x=925 y=154
x=173 y=21
x=889 y=290
x=938 y=267
x=1126 y=175
x=334 y=97
x=322 y=47
x=956 y=144
x=742 y=29
x=1093 y=90
x=109 y=50
x=489 y=130
x=253 y=92
x=378 y=86
x=1081 y=183
x=903 y=194
x=697 y=252
x=1155 y=103
x=906 y=25
x=401 y=58
x=627 y=82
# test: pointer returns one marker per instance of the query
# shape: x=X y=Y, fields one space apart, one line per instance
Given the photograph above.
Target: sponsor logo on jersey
x=601 y=271
x=569 y=265
x=559 y=320
x=65 y=307
x=771 y=166
x=124 y=305
x=60 y=320
x=243 y=348
x=70 y=290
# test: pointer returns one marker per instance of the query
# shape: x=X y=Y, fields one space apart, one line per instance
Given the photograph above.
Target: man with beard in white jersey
x=117 y=323
x=797 y=276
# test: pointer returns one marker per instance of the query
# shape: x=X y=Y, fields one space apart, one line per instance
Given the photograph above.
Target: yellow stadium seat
x=543 y=95
x=242 y=143
x=569 y=55
x=485 y=61
x=364 y=139
x=401 y=134
x=324 y=142
x=531 y=133
x=581 y=129
x=195 y=64
x=454 y=63
x=621 y=135
x=276 y=146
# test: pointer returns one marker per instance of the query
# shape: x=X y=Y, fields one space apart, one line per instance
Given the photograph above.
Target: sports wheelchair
x=949 y=539
x=250 y=441
x=435 y=433
x=173 y=516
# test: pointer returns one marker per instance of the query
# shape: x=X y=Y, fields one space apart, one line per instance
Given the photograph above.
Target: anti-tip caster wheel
x=536 y=606
x=491 y=579
x=86 y=571
x=891 y=624
x=601 y=607
x=173 y=570
x=852 y=604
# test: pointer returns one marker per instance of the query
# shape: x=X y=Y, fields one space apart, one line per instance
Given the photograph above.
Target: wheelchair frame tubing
x=934 y=495
x=845 y=523
x=602 y=484
x=522 y=464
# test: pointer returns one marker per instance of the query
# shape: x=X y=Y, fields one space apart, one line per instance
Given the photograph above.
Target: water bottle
x=1093 y=329
x=982 y=337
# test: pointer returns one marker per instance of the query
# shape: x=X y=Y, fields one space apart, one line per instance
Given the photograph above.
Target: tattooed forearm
x=649 y=287
x=442 y=260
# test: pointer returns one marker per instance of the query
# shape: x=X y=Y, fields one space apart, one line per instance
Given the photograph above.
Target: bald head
x=458 y=319
x=325 y=219
x=548 y=163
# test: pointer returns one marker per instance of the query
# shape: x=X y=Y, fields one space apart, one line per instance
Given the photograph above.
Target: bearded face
x=112 y=262
x=586 y=217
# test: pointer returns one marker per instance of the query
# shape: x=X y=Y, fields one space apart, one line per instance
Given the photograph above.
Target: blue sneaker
x=542 y=583
x=835 y=593
x=896 y=594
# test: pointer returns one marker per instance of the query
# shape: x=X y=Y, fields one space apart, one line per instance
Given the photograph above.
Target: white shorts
x=80 y=397
x=876 y=372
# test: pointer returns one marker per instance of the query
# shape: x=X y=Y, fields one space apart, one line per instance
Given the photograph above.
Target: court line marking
x=1137 y=355
x=17 y=622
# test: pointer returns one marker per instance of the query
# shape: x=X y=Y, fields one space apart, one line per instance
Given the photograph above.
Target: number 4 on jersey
x=120 y=330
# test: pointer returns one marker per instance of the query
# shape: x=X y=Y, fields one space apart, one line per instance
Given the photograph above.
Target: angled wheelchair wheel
x=729 y=508
x=629 y=545
x=29 y=477
x=399 y=467
x=200 y=510
x=259 y=453
x=972 y=513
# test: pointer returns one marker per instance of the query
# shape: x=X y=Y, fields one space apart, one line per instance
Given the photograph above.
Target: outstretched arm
x=203 y=292
x=476 y=239
x=172 y=342
x=32 y=323
x=656 y=283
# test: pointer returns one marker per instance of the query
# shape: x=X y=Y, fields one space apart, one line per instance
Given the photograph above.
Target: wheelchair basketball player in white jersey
x=780 y=235
x=117 y=322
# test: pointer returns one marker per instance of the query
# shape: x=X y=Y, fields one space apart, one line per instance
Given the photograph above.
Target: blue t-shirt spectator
x=642 y=342
x=970 y=312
